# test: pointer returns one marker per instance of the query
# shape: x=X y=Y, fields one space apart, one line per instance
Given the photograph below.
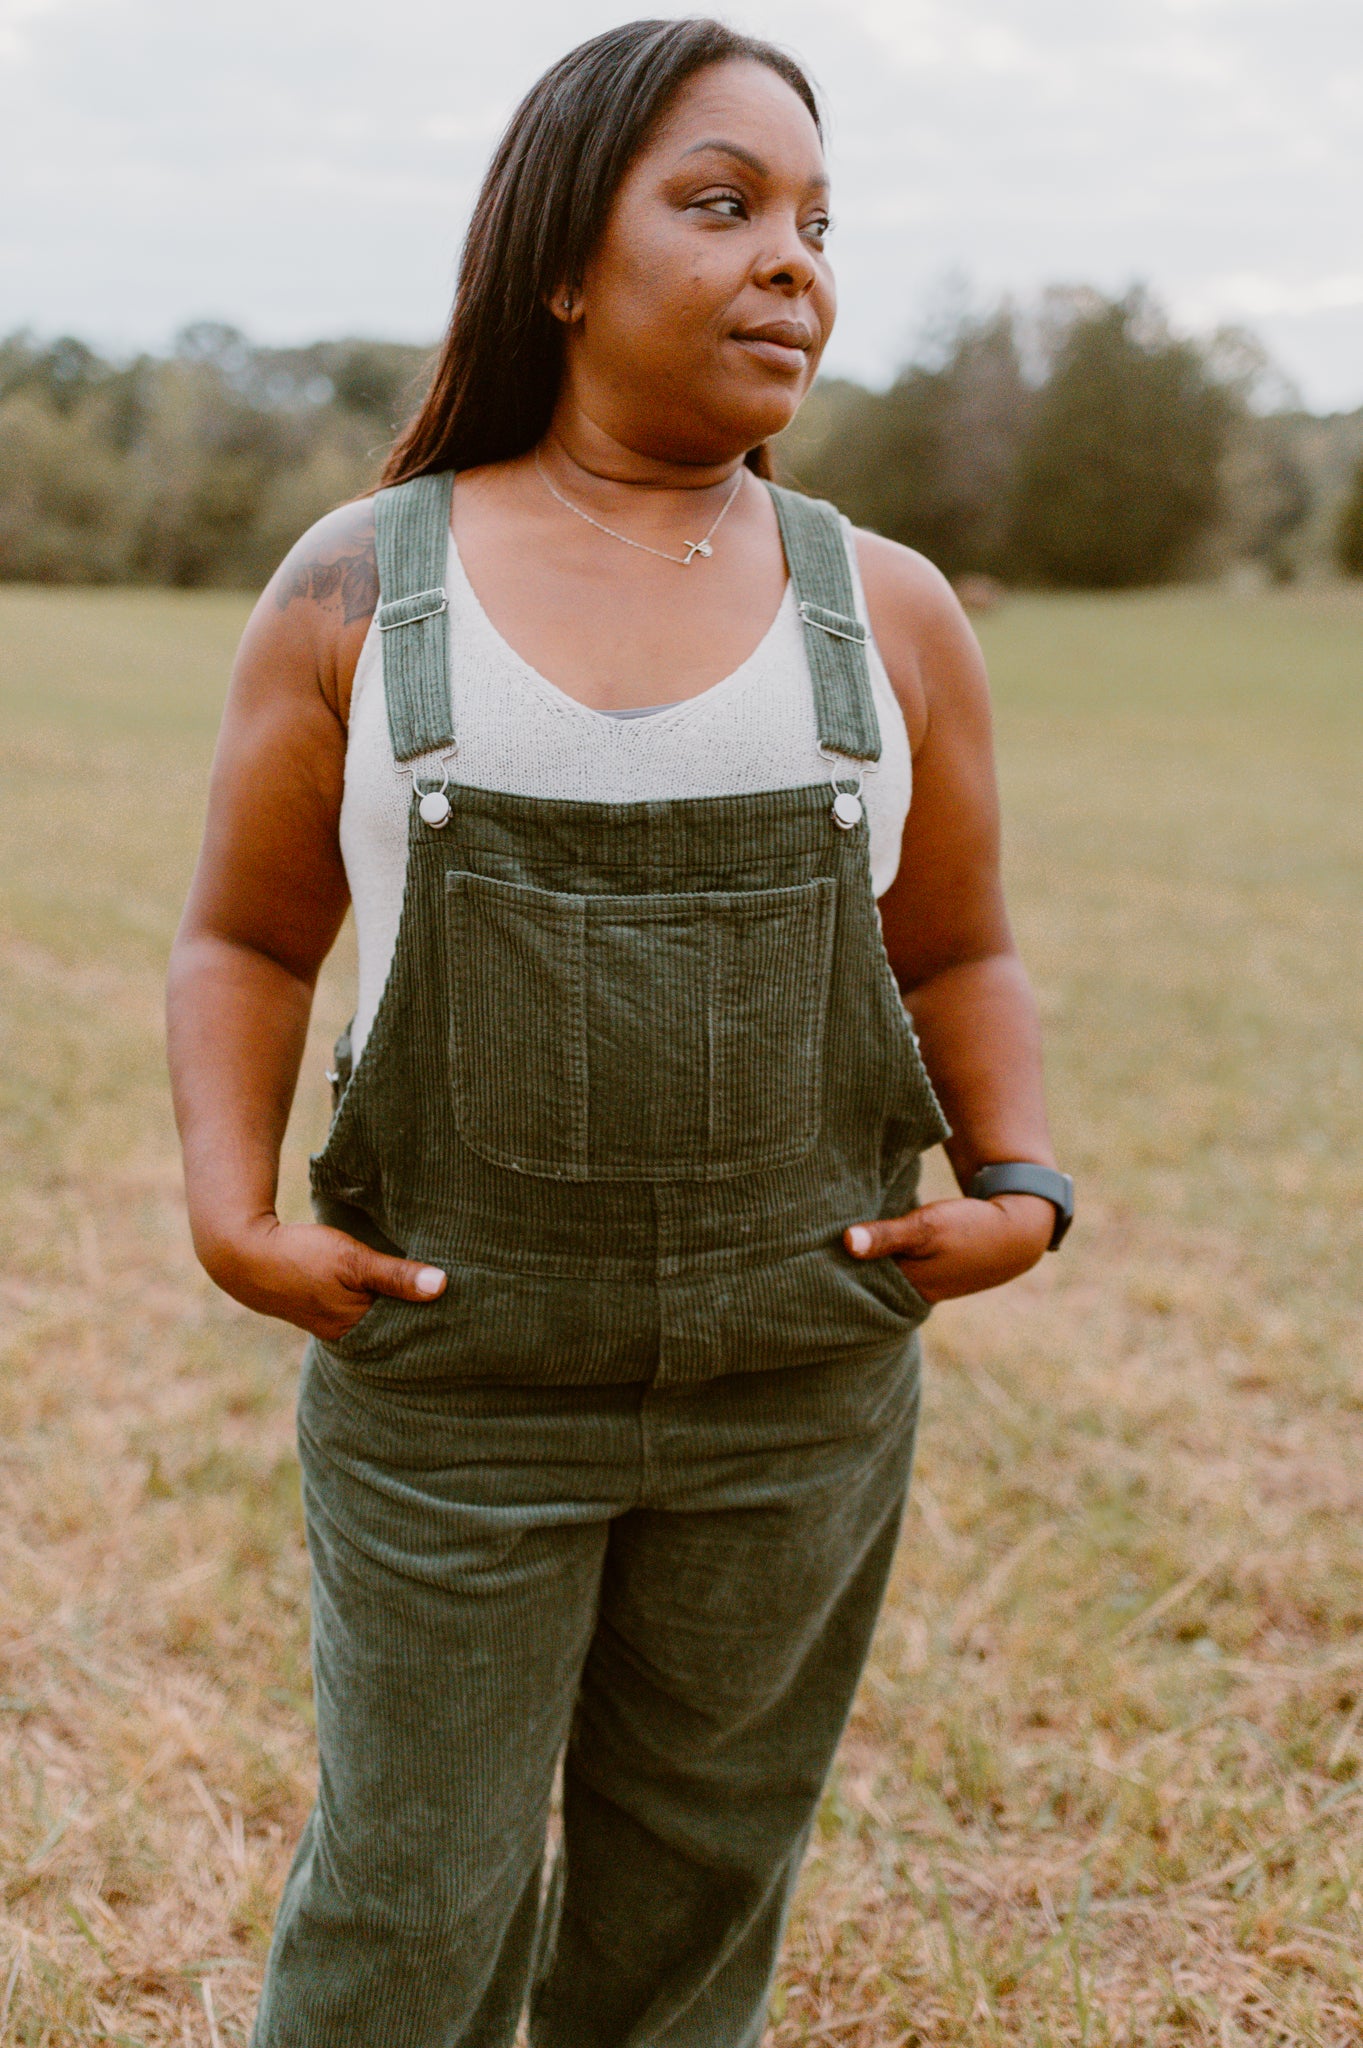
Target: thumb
x=902 y=1237
x=371 y=1272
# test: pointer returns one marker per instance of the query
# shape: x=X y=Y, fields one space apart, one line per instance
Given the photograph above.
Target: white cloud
x=16 y=17
x=1252 y=295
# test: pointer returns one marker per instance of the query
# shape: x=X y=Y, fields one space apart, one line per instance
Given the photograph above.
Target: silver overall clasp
x=433 y=805
x=848 y=808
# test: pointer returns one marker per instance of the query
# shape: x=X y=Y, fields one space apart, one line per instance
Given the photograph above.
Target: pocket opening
x=648 y=1037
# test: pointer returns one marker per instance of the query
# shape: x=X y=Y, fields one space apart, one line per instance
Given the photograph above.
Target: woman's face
x=705 y=308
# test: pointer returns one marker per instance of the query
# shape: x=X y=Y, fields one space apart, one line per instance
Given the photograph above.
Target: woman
x=607 y=1417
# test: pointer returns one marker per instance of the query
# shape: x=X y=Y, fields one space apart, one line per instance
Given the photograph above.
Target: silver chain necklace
x=693 y=547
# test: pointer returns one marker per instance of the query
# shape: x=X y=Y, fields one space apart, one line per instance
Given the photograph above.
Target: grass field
x=1104 y=1783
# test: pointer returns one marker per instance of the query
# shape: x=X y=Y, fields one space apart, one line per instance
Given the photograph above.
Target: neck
x=584 y=453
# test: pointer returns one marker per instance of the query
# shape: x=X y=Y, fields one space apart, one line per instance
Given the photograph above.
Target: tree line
x=1084 y=445
x=201 y=467
x=1078 y=444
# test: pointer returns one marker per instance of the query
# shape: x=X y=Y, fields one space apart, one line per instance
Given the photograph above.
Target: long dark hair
x=539 y=216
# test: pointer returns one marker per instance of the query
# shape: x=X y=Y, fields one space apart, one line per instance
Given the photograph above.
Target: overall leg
x=737 y=1607
x=457 y=1544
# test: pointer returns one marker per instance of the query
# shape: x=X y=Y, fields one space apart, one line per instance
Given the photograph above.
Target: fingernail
x=859 y=1240
x=430 y=1280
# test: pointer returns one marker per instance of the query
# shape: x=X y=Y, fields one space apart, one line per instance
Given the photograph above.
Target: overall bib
x=632 y=1485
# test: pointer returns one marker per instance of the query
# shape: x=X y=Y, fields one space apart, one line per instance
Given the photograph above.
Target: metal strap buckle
x=434 y=602
x=836 y=623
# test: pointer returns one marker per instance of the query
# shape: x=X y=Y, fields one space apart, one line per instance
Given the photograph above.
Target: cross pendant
x=696 y=547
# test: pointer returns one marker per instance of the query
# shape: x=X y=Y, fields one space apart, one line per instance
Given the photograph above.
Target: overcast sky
x=301 y=169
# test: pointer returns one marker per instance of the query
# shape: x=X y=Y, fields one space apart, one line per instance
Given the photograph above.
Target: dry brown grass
x=1105 y=1778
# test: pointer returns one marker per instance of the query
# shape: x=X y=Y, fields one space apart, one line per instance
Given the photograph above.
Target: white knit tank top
x=516 y=731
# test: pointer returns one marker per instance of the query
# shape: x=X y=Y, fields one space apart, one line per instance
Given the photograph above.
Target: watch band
x=1022 y=1177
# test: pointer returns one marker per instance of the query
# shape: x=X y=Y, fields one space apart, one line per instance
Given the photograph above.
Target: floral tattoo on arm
x=350 y=580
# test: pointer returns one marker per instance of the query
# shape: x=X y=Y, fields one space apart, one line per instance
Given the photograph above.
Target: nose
x=789 y=267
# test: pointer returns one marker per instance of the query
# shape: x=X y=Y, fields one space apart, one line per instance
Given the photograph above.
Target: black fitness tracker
x=1021 y=1177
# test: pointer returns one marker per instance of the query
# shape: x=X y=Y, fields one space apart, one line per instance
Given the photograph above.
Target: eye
x=816 y=230
x=727 y=205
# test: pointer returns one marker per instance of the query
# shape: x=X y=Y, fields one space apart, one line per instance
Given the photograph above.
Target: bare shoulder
x=313 y=614
x=925 y=639
x=333 y=567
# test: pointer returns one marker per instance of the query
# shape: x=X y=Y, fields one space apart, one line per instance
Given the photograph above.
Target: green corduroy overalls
x=629 y=1490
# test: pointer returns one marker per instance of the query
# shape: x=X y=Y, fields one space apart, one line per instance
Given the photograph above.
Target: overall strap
x=411 y=540
x=835 y=638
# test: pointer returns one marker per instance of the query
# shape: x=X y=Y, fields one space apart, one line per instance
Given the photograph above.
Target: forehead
x=747 y=103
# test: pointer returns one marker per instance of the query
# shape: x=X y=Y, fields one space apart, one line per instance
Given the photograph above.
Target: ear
x=565 y=304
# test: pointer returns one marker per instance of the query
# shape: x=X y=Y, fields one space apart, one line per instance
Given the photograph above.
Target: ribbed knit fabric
x=681 y=1587
x=516 y=732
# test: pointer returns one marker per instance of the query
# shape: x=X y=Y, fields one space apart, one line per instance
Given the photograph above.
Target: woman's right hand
x=311 y=1275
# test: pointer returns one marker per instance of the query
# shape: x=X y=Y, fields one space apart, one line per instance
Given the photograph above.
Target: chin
x=763 y=423
x=754 y=416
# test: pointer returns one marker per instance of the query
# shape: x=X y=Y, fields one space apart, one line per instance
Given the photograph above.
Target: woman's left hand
x=961 y=1246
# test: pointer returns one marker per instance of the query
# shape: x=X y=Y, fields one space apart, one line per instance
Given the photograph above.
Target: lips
x=782 y=343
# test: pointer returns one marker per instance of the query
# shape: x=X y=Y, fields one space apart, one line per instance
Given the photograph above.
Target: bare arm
x=267 y=900
x=949 y=942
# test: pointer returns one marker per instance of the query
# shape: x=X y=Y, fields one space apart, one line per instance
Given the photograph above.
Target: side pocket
x=343 y=1067
x=387 y=1326
x=916 y=1120
x=914 y=1302
x=890 y=1286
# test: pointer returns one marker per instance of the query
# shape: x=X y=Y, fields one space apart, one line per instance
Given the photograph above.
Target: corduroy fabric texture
x=633 y=1482
x=811 y=534
x=678 y=1584
x=636 y=1066
x=411 y=539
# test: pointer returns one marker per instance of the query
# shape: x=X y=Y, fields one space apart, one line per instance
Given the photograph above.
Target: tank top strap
x=411 y=541
x=835 y=638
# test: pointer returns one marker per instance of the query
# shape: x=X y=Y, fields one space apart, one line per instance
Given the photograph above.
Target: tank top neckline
x=563 y=701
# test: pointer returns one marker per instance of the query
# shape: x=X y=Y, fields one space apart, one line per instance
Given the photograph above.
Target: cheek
x=662 y=283
x=826 y=302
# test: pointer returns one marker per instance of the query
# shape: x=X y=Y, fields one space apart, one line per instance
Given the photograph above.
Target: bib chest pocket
x=671 y=1037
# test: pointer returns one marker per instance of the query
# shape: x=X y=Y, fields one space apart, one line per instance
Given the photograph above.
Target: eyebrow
x=744 y=156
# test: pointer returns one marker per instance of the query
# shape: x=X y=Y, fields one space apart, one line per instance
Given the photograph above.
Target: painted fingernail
x=859 y=1240
x=430 y=1280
